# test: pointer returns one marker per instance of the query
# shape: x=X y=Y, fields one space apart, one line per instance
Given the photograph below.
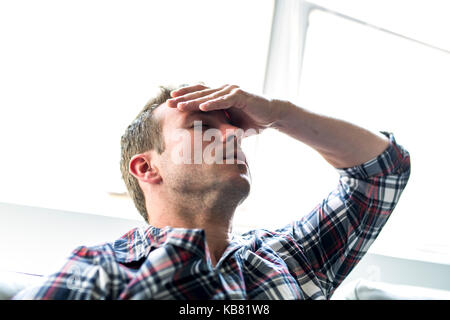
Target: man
x=188 y=250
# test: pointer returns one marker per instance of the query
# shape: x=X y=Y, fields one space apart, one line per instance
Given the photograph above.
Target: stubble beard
x=217 y=192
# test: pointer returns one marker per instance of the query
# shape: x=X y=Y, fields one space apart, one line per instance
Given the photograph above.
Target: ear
x=142 y=168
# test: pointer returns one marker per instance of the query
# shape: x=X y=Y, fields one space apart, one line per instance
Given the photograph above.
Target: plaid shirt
x=306 y=259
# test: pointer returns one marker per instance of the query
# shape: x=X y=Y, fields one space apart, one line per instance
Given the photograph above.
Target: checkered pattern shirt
x=306 y=259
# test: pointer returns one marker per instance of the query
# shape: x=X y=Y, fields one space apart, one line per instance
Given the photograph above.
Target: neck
x=213 y=217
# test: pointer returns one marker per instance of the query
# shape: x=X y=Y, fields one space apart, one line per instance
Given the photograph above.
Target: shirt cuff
x=394 y=160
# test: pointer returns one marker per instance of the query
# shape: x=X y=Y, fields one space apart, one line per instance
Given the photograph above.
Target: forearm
x=341 y=143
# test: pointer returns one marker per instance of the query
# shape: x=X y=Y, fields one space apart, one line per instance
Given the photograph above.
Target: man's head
x=160 y=158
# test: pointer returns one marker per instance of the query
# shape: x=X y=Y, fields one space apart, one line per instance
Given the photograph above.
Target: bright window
x=383 y=81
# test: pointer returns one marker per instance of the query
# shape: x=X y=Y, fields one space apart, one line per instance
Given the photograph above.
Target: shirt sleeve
x=81 y=278
x=337 y=233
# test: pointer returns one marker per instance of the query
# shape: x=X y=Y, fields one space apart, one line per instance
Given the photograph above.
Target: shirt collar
x=138 y=242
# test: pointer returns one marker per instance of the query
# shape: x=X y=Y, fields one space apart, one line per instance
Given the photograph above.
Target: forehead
x=172 y=117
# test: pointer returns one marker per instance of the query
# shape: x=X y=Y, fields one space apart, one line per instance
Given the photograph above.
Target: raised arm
x=341 y=143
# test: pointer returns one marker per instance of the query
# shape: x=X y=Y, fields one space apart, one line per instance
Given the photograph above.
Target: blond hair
x=143 y=134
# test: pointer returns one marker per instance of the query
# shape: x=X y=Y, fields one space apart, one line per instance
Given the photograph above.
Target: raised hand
x=246 y=110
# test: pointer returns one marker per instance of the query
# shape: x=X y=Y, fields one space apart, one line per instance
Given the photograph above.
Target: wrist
x=282 y=112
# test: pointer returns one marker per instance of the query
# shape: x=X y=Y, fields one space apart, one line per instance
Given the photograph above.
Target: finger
x=188 y=89
x=223 y=102
x=191 y=105
x=191 y=96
